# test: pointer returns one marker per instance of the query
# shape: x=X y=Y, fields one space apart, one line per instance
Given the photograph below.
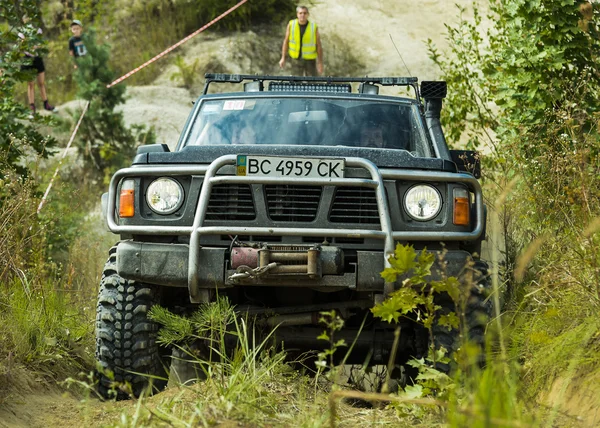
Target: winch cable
x=125 y=76
x=176 y=45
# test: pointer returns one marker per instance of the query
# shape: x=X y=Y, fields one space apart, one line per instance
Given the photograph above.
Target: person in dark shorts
x=36 y=63
x=303 y=45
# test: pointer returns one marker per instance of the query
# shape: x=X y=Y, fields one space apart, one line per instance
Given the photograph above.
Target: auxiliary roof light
x=255 y=86
x=309 y=87
x=367 y=88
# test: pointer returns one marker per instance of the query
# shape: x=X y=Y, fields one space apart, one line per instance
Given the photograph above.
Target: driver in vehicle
x=372 y=136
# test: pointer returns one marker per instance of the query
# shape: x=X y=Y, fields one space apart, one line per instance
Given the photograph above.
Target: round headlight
x=423 y=202
x=164 y=195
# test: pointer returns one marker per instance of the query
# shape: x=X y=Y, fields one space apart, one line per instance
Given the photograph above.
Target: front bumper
x=201 y=261
x=168 y=265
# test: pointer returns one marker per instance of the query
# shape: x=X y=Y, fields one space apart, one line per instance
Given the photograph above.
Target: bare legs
x=31 y=92
x=41 y=82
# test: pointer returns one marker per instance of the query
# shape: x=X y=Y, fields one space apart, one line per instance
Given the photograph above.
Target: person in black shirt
x=76 y=45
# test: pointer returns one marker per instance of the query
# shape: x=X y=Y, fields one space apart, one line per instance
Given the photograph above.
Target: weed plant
x=245 y=380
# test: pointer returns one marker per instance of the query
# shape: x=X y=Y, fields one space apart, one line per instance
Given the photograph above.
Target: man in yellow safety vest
x=303 y=44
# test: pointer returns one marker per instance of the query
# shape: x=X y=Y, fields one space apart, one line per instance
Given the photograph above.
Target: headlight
x=423 y=202
x=164 y=195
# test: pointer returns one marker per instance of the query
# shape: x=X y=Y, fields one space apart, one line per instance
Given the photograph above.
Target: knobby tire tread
x=125 y=337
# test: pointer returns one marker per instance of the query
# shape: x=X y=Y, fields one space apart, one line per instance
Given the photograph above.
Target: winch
x=312 y=261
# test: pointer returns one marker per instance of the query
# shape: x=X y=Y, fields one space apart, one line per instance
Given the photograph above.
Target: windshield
x=310 y=121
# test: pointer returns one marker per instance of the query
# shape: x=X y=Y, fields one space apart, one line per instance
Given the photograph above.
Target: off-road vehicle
x=288 y=196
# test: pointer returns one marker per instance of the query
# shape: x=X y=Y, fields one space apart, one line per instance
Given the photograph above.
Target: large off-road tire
x=125 y=337
x=475 y=318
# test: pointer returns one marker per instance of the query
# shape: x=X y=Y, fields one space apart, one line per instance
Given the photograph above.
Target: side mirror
x=467 y=161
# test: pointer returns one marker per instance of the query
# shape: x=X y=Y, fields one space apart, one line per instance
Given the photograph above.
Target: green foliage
x=147 y=28
x=551 y=342
x=530 y=62
x=104 y=141
x=187 y=72
x=42 y=323
x=534 y=99
x=251 y=13
x=210 y=321
x=239 y=380
x=528 y=89
x=325 y=359
x=490 y=397
x=416 y=299
x=19 y=136
x=417 y=294
x=430 y=380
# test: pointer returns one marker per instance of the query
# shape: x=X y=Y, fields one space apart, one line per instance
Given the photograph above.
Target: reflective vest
x=309 y=40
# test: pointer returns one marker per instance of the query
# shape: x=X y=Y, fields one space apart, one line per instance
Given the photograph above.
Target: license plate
x=278 y=166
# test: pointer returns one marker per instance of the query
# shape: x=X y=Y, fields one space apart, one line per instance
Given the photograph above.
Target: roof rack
x=328 y=80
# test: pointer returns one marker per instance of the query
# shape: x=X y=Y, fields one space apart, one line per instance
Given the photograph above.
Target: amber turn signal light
x=461 y=207
x=126 y=199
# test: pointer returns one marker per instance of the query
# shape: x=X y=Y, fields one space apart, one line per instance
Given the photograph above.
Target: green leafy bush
x=526 y=92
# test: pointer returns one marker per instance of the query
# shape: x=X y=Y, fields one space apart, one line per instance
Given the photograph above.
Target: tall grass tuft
x=241 y=369
x=45 y=320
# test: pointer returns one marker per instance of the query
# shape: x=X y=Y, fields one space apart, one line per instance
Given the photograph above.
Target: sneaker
x=32 y=108
x=47 y=106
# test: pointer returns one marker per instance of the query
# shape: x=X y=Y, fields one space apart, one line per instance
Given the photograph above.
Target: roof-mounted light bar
x=309 y=87
x=320 y=82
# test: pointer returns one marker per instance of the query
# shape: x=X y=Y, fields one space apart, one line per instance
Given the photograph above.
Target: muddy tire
x=476 y=316
x=125 y=337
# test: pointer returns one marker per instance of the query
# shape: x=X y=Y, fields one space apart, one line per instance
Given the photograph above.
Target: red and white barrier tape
x=63 y=157
x=179 y=43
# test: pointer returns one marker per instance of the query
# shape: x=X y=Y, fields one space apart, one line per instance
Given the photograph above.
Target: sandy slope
x=371 y=25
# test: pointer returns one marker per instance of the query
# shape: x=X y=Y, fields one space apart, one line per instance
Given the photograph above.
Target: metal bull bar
x=210 y=179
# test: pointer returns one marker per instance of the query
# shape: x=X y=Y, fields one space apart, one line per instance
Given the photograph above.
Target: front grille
x=231 y=202
x=354 y=205
x=293 y=203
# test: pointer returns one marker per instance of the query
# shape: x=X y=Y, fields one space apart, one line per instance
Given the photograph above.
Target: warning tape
x=62 y=157
x=176 y=45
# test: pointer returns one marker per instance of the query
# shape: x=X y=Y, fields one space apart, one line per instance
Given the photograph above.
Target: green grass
x=48 y=277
